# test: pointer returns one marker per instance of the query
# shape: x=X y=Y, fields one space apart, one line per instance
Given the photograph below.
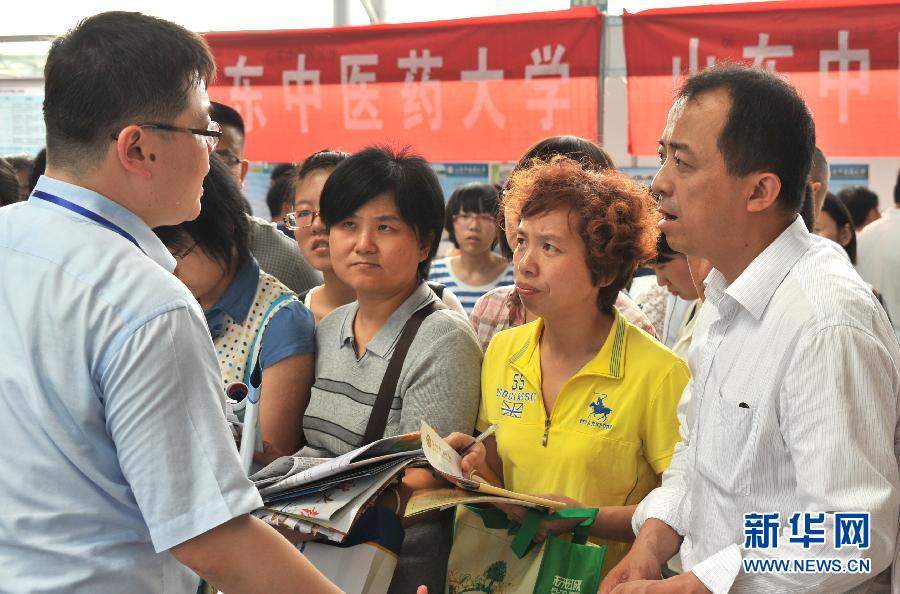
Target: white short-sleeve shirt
x=115 y=446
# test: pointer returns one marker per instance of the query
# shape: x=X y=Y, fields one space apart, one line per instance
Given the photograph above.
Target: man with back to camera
x=879 y=257
x=795 y=382
x=123 y=476
x=276 y=253
x=862 y=204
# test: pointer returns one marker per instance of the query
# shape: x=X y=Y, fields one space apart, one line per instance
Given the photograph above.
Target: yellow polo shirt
x=612 y=428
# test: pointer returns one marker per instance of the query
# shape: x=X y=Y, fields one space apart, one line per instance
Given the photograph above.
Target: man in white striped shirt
x=796 y=382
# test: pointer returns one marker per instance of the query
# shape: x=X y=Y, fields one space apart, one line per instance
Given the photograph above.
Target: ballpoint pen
x=484 y=435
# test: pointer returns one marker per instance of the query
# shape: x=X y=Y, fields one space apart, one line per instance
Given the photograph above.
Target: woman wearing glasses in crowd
x=502 y=308
x=252 y=317
x=312 y=236
x=584 y=401
x=471 y=225
x=384 y=211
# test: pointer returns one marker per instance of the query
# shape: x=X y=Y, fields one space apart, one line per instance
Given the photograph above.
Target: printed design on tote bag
x=489 y=582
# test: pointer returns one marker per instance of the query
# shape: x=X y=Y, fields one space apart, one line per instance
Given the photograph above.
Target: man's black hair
x=860 y=201
x=226 y=116
x=768 y=127
x=472 y=197
x=112 y=70
x=379 y=170
x=222 y=229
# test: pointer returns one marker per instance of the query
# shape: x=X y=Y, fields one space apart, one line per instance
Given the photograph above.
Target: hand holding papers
x=325 y=496
x=446 y=462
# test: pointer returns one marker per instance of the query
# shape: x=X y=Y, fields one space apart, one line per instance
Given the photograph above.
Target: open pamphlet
x=325 y=496
x=446 y=462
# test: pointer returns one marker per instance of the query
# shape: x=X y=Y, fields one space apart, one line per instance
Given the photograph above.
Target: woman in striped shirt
x=470 y=221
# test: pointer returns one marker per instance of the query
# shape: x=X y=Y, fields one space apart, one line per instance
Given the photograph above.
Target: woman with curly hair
x=584 y=401
x=502 y=308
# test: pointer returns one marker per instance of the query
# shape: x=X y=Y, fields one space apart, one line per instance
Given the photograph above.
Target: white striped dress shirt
x=794 y=408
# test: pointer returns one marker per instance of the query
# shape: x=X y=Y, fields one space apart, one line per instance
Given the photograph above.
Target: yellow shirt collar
x=608 y=362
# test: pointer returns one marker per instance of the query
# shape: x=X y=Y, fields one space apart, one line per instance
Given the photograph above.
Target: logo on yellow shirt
x=513 y=400
x=599 y=412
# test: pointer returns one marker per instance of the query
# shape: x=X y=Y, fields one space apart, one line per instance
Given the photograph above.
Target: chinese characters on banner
x=480 y=89
x=842 y=55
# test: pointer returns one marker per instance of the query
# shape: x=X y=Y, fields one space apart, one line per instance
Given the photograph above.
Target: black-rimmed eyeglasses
x=210 y=135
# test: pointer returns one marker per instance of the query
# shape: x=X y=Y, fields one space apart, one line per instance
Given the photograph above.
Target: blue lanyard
x=88 y=214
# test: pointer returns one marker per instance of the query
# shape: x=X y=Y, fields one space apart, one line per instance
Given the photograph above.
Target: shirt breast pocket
x=727 y=457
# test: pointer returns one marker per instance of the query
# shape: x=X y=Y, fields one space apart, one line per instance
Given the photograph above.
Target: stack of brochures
x=325 y=496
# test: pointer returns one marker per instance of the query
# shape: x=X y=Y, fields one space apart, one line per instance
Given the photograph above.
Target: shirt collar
x=108 y=209
x=236 y=300
x=383 y=342
x=608 y=362
x=893 y=211
x=756 y=285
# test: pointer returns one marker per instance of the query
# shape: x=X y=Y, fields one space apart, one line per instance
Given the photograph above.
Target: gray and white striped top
x=440 y=380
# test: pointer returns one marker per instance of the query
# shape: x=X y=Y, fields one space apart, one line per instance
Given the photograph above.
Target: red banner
x=481 y=89
x=842 y=55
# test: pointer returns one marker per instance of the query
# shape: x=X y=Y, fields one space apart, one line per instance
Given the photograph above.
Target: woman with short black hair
x=384 y=211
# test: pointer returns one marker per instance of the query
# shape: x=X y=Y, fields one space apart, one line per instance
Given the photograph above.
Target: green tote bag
x=492 y=554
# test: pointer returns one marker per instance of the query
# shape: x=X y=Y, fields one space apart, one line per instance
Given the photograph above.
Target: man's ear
x=816 y=186
x=765 y=192
x=245 y=167
x=133 y=152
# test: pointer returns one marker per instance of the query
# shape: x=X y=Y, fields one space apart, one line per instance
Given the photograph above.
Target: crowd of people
x=760 y=376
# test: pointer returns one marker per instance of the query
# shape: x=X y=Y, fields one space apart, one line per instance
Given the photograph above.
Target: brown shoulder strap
x=381 y=408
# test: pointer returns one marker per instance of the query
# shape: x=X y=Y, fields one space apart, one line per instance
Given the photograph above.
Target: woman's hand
x=556 y=527
x=475 y=458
